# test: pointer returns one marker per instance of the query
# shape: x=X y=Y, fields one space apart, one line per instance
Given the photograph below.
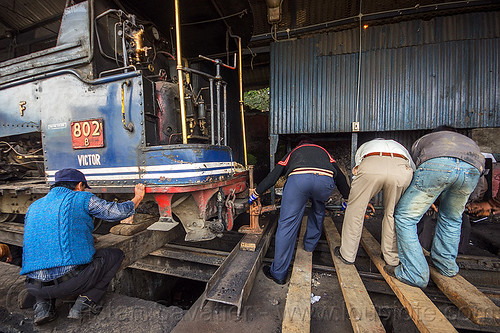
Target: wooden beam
x=422 y=311
x=362 y=313
x=297 y=316
x=249 y=242
x=140 y=244
x=474 y=304
x=11 y=233
x=134 y=247
x=133 y=224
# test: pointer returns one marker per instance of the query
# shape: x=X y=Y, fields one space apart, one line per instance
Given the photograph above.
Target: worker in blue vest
x=59 y=259
x=311 y=175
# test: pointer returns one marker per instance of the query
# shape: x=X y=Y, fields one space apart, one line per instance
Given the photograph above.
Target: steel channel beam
x=232 y=282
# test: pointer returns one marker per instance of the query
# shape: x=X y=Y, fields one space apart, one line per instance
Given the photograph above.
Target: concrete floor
x=120 y=314
x=261 y=313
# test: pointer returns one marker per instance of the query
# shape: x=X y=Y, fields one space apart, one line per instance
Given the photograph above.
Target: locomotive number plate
x=87 y=134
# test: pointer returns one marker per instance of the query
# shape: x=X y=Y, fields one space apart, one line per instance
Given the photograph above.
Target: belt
x=71 y=274
x=314 y=171
x=386 y=154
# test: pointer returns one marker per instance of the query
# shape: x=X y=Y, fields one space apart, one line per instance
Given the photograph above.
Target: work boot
x=390 y=271
x=337 y=253
x=44 y=312
x=267 y=272
x=83 y=306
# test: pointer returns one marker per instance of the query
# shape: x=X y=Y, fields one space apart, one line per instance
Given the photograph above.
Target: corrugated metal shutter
x=414 y=75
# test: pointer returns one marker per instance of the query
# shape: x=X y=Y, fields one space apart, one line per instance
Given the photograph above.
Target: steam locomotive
x=117 y=99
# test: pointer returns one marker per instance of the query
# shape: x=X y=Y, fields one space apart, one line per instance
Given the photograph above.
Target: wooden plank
x=140 y=244
x=297 y=315
x=362 y=313
x=249 y=242
x=134 y=247
x=133 y=224
x=422 y=311
x=474 y=304
x=11 y=233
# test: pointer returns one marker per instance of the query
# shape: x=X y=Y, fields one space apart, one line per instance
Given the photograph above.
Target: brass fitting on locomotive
x=137 y=52
x=141 y=51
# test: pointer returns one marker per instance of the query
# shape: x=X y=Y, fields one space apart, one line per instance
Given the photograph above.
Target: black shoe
x=84 y=306
x=337 y=253
x=382 y=256
x=267 y=272
x=44 y=312
x=390 y=270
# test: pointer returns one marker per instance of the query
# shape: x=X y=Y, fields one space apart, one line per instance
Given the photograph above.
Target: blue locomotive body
x=120 y=127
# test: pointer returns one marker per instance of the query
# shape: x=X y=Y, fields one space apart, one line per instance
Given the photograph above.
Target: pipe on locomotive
x=212 y=118
x=179 y=71
x=224 y=112
x=242 y=108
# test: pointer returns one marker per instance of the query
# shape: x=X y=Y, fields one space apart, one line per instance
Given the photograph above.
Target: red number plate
x=87 y=134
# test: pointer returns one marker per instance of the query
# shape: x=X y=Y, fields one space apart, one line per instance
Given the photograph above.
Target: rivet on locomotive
x=117 y=99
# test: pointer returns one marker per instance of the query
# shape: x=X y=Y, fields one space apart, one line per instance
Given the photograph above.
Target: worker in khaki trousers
x=380 y=165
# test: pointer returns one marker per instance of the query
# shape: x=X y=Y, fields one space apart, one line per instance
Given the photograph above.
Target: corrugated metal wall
x=414 y=75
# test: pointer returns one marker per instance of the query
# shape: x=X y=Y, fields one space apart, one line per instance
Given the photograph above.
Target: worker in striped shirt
x=311 y=175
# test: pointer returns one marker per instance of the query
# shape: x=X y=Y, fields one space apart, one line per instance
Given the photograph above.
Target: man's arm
x=139 y=192
x=116 y=211
x=270 y=179
x=341 y=182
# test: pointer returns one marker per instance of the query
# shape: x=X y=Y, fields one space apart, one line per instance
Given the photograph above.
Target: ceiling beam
x=6 y=24
x=42 y=23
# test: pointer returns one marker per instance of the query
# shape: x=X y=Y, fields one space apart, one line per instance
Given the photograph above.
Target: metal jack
x=255 y=210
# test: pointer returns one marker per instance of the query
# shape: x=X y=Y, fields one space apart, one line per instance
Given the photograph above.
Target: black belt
x=71 y=274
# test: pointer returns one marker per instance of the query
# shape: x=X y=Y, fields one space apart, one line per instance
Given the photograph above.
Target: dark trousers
x=427 y=225
x=298 y=190
x=92 y=281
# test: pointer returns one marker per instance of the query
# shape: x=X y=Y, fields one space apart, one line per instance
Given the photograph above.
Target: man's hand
x=479 y=209
x=253 y=196
x=370 y=211
x=5 y=252
x=432 y=210
x=139 y=191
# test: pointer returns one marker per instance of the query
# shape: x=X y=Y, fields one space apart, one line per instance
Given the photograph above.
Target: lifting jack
x=254 y=230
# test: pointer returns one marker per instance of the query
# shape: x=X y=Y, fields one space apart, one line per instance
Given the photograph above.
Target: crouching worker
x=312 y=175
x=381 y=165
x=448 y=166
x=59 y=258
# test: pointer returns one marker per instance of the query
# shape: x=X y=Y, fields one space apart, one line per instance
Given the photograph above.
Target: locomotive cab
x=116 y=99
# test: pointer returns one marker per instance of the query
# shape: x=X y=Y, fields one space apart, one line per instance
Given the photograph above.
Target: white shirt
x=384 y=146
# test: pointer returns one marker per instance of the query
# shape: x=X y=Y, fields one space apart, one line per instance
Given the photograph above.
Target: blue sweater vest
x=58 y=231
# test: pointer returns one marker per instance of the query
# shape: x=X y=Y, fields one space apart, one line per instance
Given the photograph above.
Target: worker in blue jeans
x=448 y=165
x=311 y=175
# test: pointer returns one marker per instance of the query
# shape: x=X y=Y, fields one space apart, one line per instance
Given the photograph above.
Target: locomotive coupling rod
x=130 y=126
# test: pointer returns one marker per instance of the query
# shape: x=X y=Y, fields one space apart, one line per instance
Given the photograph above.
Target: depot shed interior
x=341 y=71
